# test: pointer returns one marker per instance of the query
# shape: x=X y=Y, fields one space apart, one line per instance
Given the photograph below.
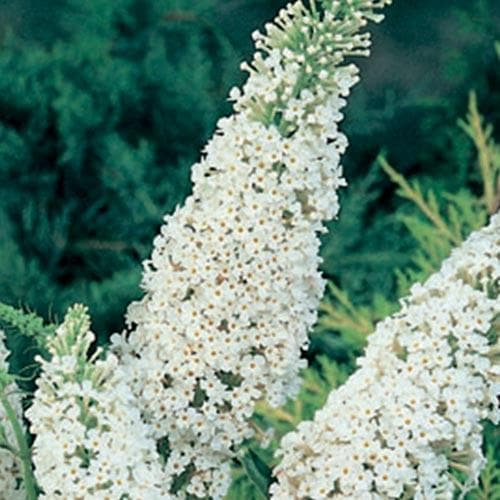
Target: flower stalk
x=23 y=452
x=16 y=476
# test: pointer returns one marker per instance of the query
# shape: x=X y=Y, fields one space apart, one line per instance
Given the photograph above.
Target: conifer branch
x=28 y=323
x=488 y=159
x=413 y=193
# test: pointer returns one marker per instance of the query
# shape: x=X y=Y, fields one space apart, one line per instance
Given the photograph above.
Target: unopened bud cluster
x=410 y=417
x=305 y=48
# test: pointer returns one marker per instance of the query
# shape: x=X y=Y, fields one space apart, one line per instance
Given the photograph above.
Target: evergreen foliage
x=97 y=132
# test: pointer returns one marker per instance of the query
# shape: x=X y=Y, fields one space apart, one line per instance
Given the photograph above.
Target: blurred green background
x=105 y=105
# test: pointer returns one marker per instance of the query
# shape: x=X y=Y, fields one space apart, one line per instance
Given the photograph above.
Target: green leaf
x=258 y=472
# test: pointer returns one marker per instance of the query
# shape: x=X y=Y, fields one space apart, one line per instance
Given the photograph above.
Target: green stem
x=24 y=451
x=314 y=9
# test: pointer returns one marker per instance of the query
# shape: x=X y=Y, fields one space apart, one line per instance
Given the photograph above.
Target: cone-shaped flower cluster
x=10 y=467
x=410 y=417
x=232 y=287
x=90 y=441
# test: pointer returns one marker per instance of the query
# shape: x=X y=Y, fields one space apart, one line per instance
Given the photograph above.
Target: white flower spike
x=232 y=287
x=411 y=415
x=90 y=440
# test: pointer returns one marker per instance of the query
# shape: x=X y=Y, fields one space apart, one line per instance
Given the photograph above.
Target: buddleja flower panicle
x=90 y=440
x=232 y=286
x=412 y=414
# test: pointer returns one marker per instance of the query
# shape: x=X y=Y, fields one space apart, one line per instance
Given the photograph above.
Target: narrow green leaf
x=258 y=472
